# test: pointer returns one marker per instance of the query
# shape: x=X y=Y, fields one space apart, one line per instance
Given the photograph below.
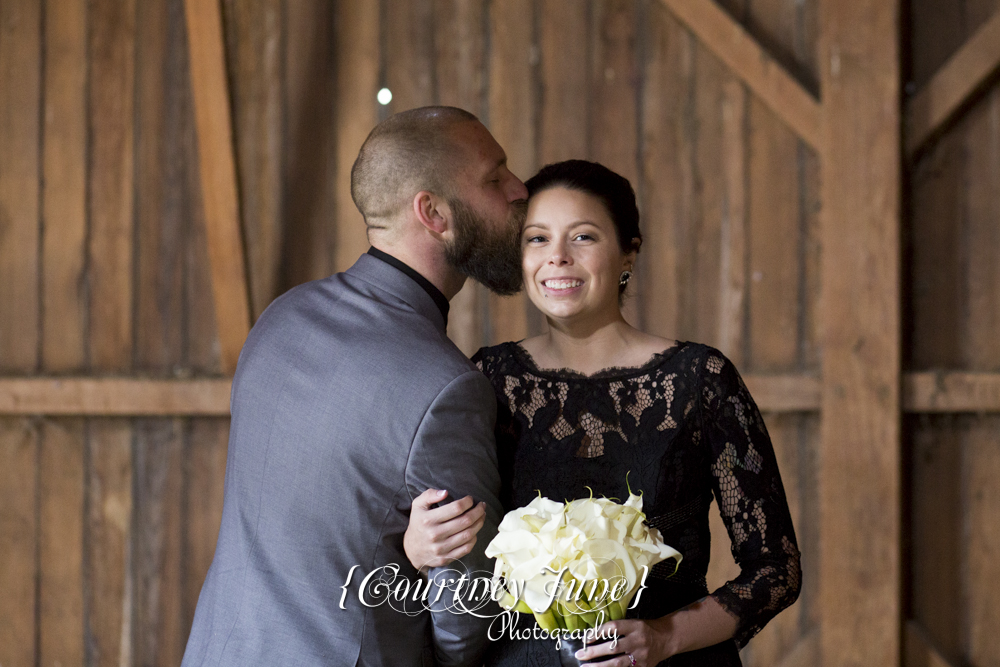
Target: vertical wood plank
x=311 y=195
x=217 y=170
x=64 y=196
x=460 y=60
x=110 y=181
x=357 y=65
x=512 y=121
x=565 y=100
x=666 y=170
x=61 y=539
x=614 y=83
x=19 y=535
x=935 y=277
x=204 y=464
x=110 y=593
x=614 y=109
x=164 y=207
x=981 y=252
x=981 y=317
x=774 y=243
x=201 y=351
x=860 y=460
x=20 y=96
x=702 y=298
x=936 y=529
x=254 y=59
x=162 y=116
x=731 y=338
x=981 y=535
x=409 y=28
x=159 y=633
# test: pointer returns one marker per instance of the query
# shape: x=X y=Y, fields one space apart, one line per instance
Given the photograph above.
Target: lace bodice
x=679 y=428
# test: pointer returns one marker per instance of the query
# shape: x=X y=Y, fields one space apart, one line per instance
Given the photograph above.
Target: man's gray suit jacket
x=348 y=401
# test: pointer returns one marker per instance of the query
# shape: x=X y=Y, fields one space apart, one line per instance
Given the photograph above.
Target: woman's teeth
x=562 y=284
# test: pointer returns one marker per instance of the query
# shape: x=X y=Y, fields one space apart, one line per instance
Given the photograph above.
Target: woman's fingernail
x=441 y=492
x=579 y=654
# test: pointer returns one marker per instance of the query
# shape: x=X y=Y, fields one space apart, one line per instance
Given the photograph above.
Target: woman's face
x=571 y=258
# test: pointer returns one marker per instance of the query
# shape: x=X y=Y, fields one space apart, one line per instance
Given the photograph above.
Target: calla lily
x=573 y=560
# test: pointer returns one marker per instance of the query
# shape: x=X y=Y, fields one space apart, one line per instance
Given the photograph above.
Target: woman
x=593 y=400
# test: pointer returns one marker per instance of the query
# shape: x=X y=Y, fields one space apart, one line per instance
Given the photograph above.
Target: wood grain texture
x=669 y=69
x=460 y=48
x=357 y=27
x=162 y=200
x=20 y=97
x=19 y=534
x=769 y=81
x=860 y=457
x=62 y=476
x=565 y=100
x=981 y=251
x=217 y=169
x=254 y=61
x=109 y=596
x=919 y=650
x=936 y=533
x=204 y=470
x=410 y=36
x=615 y=84
x=981 y=540
x=210 y=397
x=64 y=196
x=312 y=198
x=114 y=396
x=511 y=118
x=775 y=243
x=111 y=181
x=159 y=633
x=954 y=86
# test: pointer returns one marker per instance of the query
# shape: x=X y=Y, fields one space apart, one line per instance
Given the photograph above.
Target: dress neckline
x=609 y=373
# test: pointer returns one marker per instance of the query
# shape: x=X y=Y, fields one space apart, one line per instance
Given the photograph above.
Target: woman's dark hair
x=614 y=191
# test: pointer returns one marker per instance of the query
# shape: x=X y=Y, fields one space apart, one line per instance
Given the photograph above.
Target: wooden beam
x=953 y=87
x=785 y=393
x=935 y=392
x=951 y=392
x=741 y=53
x=217 y=169
x=860 y=447
x=114 y=397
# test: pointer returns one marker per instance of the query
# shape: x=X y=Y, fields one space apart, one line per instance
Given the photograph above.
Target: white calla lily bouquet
x=575 y=565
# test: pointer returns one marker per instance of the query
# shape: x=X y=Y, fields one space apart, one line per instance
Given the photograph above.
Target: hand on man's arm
x=454 y=450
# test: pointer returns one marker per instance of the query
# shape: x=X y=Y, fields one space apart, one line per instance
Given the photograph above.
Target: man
x=349 y=401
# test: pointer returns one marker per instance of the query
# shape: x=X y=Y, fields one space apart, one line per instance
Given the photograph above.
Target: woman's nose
x=559 y=255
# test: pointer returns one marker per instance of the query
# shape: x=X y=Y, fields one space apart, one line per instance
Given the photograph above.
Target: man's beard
x=486 y=253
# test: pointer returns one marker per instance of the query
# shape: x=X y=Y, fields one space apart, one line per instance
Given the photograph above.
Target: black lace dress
x=682 y=427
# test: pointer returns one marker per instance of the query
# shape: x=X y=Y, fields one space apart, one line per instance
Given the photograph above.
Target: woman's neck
x=587 y=347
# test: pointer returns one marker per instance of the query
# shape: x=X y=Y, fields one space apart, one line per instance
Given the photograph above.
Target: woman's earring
x=623 y=280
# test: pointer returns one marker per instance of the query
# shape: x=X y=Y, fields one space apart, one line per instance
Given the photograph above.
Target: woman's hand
x=437 y=536
x=642 y=643
x=646 y=643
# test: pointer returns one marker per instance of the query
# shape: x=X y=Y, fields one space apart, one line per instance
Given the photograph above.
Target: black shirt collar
x=436 y=294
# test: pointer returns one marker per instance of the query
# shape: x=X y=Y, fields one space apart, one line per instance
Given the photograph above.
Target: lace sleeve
x=751 y=499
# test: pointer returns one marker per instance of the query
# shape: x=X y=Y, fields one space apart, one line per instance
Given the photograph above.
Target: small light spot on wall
x=384 y=96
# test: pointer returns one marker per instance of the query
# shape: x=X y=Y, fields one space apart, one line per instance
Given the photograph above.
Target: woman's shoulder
x=492 y=358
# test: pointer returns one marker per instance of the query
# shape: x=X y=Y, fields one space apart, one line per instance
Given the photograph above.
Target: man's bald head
x=408 y=152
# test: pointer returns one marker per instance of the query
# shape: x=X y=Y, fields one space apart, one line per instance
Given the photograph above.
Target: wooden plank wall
x=108 y=524
x=952 y=294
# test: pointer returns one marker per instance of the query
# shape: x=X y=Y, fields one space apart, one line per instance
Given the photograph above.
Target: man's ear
x=432 y=211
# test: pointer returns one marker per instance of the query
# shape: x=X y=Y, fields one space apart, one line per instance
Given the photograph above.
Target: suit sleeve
x=454 y=449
